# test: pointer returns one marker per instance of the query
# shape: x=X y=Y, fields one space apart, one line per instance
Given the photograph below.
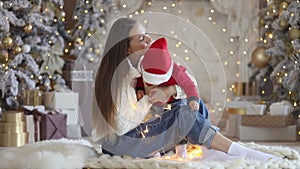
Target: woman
x=120 y=121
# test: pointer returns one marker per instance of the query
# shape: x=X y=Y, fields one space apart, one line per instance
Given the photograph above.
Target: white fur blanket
x=52 y=154
x=70 y=154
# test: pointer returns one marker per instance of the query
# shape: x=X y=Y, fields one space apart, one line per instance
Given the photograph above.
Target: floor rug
x=71 y=154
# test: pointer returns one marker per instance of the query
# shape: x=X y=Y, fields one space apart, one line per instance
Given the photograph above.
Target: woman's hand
x=160 y=94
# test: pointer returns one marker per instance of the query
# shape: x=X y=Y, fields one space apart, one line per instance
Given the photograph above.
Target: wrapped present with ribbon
x=33 y=119
x=32 y=97
x=53 y=125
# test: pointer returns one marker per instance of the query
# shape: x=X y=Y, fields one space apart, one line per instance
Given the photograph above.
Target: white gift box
x=72 y=116
x=31 y=129
x=279 y=110
x=232 y=126
x=74 y=131
x=234 y=110
x=60 y=100
x=238 y=104
x=255 y=109
x=249 y=133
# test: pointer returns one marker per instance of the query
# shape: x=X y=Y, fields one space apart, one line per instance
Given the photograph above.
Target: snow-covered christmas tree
x=276 y=59
x=91 y=18
x=31 y=46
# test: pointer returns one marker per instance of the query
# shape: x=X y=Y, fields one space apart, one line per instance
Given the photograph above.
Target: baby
x=158 y=69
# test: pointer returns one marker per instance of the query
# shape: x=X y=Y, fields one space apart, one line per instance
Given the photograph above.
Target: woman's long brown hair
x=115 y=52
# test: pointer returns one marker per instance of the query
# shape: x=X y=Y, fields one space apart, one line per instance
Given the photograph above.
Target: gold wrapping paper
x=245 y=89
x=13 y=116
x=236 y=111
x=16 y=127
x=32 y=97
x=13 y=139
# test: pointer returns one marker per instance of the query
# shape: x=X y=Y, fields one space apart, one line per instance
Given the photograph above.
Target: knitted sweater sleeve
x=130 y=112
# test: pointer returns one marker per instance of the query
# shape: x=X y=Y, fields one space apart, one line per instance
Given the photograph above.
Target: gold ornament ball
x=282 y=24
x=28 y=28
x=272 y=7
x=262 y=22
x=294 y=33
x=3 y=56
x=7 y=42
x=78 y=40
x=259 y=58
x=289 y=49
x=283 y=6
x=35 y=55
x=279 y=80
x=17 y=50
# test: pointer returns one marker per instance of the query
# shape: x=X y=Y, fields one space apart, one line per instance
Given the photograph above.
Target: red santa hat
x=157 y=64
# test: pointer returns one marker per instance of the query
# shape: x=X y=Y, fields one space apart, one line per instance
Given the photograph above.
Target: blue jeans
x=165 y=132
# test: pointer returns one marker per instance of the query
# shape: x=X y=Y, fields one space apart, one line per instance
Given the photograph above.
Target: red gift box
x=53 y=126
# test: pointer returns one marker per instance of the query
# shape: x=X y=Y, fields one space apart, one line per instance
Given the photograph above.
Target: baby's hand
x=140 y=94
x=194 y=105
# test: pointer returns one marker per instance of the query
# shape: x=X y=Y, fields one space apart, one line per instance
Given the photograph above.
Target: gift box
x=255 y=109
x=232 y=126
x=233 y=112
x=13 y=129
x=13 y=116
x=33 y=116
x=80 y=78
x=13 y=139
x=30 y=128
x=74 y=131
x=40 y=108
x=238 y=104
x=32 y=97
x=279 y=110
x=60 y=100
x=72 y=116
x=53 y=126
x=249 y=133
x=267 y=120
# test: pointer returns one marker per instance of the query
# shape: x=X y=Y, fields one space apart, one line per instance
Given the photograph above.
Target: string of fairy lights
x=267 y=37
x=232 y=50
x=175 y=6
x=217 y=107
x=10 y=47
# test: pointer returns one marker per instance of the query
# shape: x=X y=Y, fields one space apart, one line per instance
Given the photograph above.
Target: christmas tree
x=276 y=59
x=91 y=18
x=31 y=48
